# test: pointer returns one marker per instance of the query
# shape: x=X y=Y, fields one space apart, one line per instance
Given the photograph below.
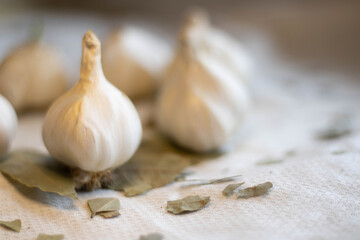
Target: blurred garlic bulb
x=8 y=124
x=94 y=127
x=203 y=101
x=32 y=77
x=219 y=44
x=133 y=60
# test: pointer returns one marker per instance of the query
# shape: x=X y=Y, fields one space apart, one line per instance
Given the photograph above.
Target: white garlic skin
x=8 y=124
x=32 y=77
x=133 y=60
x=94 y=126
x=203 y=102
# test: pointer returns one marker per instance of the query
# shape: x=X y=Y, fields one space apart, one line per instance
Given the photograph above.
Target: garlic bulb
x=93 y=127
x=133 y=60
x=8 y=124
x=32 y=77
x=203 y=102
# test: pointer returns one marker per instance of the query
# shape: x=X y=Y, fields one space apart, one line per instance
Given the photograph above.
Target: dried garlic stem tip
x=88 y=181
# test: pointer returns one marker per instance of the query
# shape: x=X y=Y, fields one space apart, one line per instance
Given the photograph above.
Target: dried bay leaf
x=38 y=170
x=146 y=171
x=341 y=126
x=255 y=191
x=188 y=204
x=152 y=236
x=211 y=181
x=12 y=225
x=111 y=214
x=269 y=161
x=230 y=189
x=42 y=236
x=98 y=205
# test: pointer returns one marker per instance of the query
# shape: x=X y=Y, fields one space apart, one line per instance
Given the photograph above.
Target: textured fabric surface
x=316 y=193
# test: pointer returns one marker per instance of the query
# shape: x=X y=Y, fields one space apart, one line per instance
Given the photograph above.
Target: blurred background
x=316 y=35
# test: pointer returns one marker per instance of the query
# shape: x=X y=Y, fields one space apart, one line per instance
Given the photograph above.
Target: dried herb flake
x=12 y=225
x=152 y=236
x=38 y=170
x=99 y=205
x=111 y=214
x=42 y=236
x=188 y=204
x=231 y=188
x=211 y=181
x=255 y=191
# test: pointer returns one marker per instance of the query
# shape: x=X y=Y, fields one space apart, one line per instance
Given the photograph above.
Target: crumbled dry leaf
x=339 y=152
x=111 y=214
x=38 y=170
x=146 y=171
x=42 y=236
x=254 y=191
x=269 y=161
x=12 y=225
x=152 y=236
x=188 y=204
x=340 y=127
x=98 y=205
x=231 y=188
x=211 y=181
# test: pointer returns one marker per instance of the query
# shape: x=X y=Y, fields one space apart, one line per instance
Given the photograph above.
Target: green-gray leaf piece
x=38 y=170
x=269 y=161
x=211 y=181
x=42 y=236
x=188 y=204
x=98 y=205
x=231 y=188
x=152 y=236
x=146 y=171
x=111 y=214
x=12 y=225
x=339 y=152
x=340 y=127
x=255 y=191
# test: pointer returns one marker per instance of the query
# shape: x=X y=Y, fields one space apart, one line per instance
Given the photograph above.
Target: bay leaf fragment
x=38 y=170
x=255 y=191
x=269 y=161
x=110 y=214
x=147 y=170
x=188 y=204
x=231 y=188
x=12 y=225
x=99 y=205
x=152 y=236
x=210 y=181
x=341 y=126
x=42 y=236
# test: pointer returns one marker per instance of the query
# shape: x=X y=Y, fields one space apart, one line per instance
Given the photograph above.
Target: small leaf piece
x=98 y=205
x=230 y=189
x=269 y=161
x=146 y=171
x=210 y=181
x=254 y=191
x=38 y=170
x=341 y=126
x=111 y=214
x=152 y=236
x=188 y=204
x=42 y=236
x=12 y=225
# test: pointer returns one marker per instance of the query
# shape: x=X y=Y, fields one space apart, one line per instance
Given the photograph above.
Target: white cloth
x=316 y=194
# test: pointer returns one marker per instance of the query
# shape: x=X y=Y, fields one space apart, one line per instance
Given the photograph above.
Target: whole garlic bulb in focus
x=203 y=101
x=8 y=124
x=94 y=127
x=32 y=77
x=133 y=60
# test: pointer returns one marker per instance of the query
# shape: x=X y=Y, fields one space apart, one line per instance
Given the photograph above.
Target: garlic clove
x=8 y=124
x=202 y=103
x=133 y=60
x=32 y=77
x=93 y=127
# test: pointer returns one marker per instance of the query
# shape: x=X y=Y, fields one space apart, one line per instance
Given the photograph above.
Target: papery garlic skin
x=94 y=126
x=202 y=103
x=8 y=124
x=32 y=77
x=133 y=60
